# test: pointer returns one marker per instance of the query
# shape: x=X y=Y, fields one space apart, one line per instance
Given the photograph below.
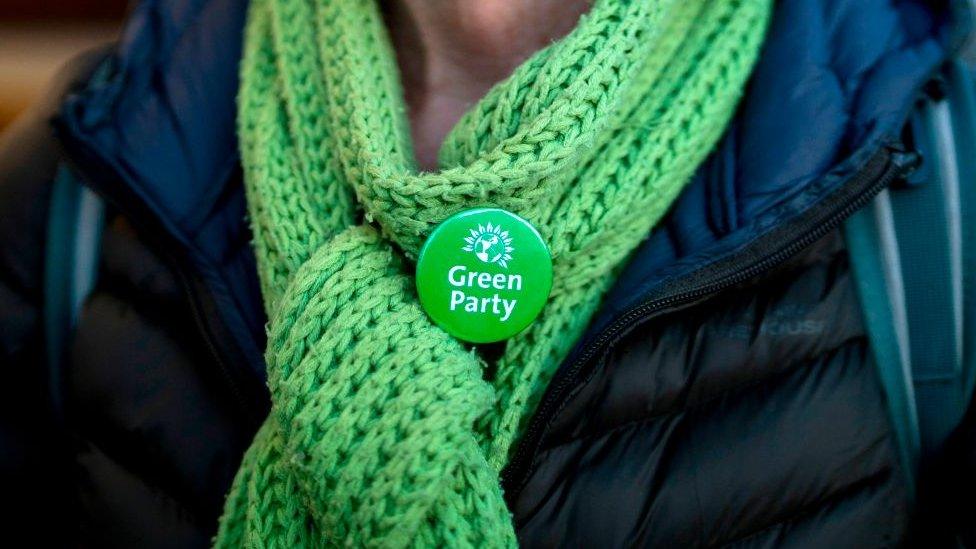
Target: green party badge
x=484 y=275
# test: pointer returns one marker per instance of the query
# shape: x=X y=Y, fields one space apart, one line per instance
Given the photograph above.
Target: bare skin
x=451 y=52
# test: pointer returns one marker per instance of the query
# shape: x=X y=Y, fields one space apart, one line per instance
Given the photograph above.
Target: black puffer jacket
x=753 y=416
x=725 y=394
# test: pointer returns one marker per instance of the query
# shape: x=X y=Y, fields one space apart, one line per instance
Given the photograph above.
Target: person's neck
x=451 y=52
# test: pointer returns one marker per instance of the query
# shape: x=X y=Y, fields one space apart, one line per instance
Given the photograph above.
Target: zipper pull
x=907 y=162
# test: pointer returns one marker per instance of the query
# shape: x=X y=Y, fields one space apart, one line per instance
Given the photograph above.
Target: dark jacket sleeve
x=33 y=467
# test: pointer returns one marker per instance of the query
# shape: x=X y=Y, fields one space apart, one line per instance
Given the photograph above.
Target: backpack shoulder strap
x=913 y=254
x=876 y=265
x=74 y=227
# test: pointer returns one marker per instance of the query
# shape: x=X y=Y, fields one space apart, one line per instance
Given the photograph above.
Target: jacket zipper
x=865 y=185
x=202 y=322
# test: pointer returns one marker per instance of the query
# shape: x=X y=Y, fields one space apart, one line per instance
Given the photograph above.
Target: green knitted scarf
x=384 y=430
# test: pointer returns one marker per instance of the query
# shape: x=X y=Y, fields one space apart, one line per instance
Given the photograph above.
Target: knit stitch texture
x=384 y=430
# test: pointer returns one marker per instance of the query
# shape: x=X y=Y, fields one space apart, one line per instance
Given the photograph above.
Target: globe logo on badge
x=471 y=282
x=490 y=244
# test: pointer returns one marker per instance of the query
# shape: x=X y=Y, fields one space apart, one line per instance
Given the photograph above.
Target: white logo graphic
x=490 y=244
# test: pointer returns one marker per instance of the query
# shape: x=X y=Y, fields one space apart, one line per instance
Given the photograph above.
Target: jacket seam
x=873 y=480
x=141 y=478
x=731 y=389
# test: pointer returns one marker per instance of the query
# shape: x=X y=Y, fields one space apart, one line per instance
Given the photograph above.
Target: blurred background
x=38 y=36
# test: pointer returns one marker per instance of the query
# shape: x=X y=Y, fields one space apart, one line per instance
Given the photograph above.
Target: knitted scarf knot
x=384 y=430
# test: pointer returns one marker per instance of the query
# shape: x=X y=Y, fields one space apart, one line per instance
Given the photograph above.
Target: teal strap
x=876 y=264
x=913 y=254
x=962 y=101
x=928 y=224
x=75 y=219
x=937 y=231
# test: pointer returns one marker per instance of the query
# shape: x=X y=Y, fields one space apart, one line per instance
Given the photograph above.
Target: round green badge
x=484 y=275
